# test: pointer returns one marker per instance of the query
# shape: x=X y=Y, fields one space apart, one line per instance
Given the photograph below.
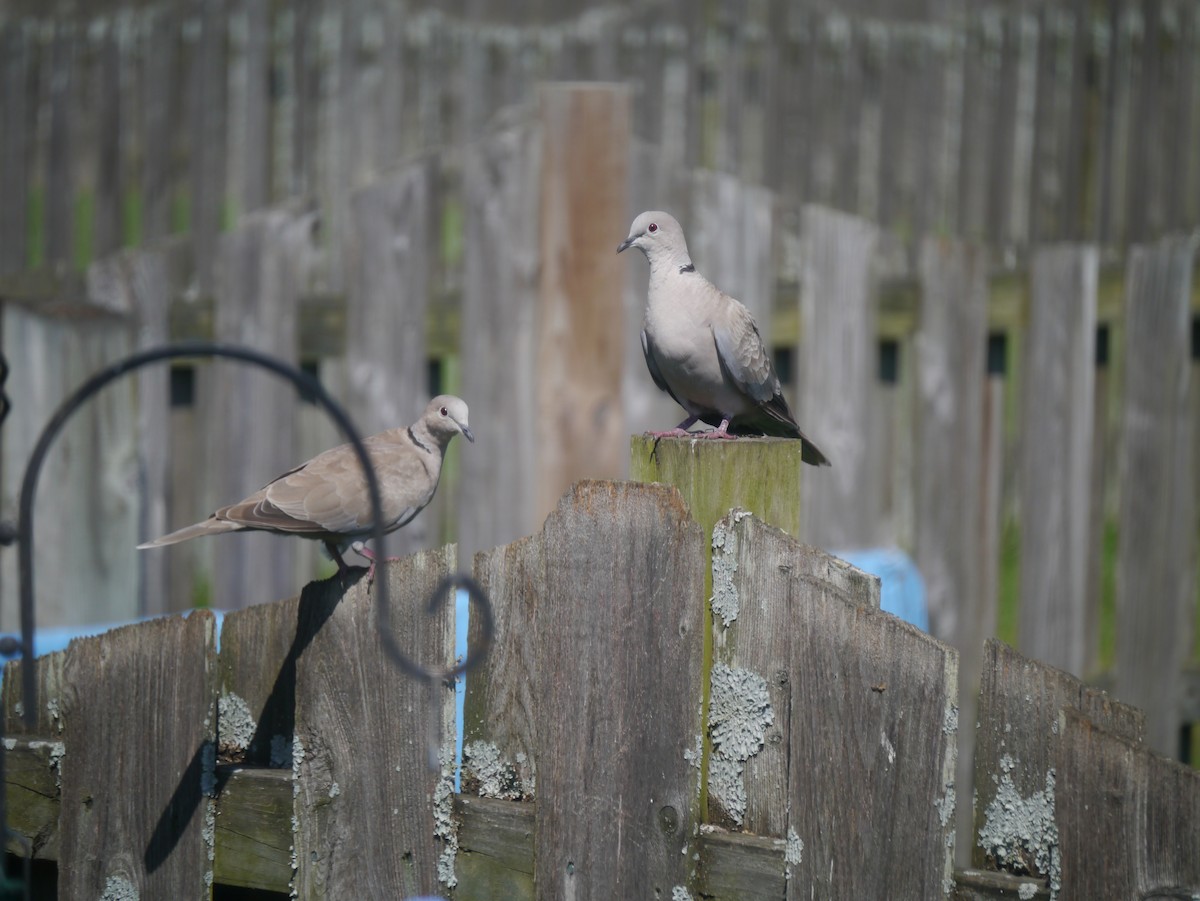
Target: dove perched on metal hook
x=703 y=348
x=327 y=499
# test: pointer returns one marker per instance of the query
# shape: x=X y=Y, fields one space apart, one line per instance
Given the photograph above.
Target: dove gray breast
x=703 y=347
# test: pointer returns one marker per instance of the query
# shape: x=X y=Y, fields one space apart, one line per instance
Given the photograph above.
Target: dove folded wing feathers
x=327 y=499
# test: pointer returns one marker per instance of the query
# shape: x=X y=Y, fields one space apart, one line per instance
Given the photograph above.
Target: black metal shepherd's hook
x=23 y=533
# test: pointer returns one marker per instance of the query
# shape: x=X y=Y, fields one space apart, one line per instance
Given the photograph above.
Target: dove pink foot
x=366 y=553
x=721 y=431
x=680 y=431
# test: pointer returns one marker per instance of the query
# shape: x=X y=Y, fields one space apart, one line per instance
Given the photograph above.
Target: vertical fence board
x=1015 y=754
x=838 y=363
x=617 y=795
x=873 y=732
x=206 y=128
x=261 y=271
x=579 y=341
x=162 y=90
x=1057 y=410
x=111 y=123
x=59 y=179
x=761 y=577
x=372 y=831
x=136 y=798
x=16 y=43
x=501 y=241
x=255 y=152
x=1156 y=564
x=1142 y=809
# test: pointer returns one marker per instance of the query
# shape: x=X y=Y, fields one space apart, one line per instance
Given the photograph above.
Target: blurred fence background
x=967 y=233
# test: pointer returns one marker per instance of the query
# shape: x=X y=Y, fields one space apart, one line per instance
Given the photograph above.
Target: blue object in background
x=902 y=590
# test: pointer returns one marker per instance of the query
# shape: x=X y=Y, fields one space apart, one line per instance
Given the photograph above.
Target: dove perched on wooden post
x=703 y=348
x=327 y=499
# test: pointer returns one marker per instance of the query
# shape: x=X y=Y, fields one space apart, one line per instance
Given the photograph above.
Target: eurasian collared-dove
x=703 y=348
x=326 y=498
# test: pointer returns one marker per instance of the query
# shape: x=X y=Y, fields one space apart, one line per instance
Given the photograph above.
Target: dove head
x=660 y=238
x=445 y=417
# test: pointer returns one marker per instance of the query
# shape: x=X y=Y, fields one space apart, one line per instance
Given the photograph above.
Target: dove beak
x=467 y=433
x=627 y=243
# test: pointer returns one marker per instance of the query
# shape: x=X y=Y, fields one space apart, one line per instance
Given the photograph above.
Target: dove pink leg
x=679 y=431
x=721 y=431
x=363 y=551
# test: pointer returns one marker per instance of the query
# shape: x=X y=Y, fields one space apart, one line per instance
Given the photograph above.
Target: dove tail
x=210 y=526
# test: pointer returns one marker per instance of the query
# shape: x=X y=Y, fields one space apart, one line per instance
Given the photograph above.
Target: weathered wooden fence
x=819 y=159
x=679 y=702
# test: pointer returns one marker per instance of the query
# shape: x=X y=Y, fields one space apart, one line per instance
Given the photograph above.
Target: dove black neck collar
x=687 y=267
x=418 y=442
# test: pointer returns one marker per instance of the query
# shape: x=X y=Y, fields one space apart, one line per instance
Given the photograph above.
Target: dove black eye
x=445 y=412
x=652 y=228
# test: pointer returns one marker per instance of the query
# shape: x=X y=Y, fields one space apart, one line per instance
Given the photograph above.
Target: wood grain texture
x=761 y=576
x=499 y=707
x=762 y=475
x=1016 y=748
x=1156 y=557
x=1056 y=454
x=617 y=811
x=260 y=647
x=871 y=751
x=19 y=103
x=136 y=801
x=251 y=846
x=500 y=285
x=837 y=369
x=1138 y=809
x=580 y=422
x=368 y=831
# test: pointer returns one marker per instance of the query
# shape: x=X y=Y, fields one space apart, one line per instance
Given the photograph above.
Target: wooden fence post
x=1056 y=484
x=837 y=369
x=1155 y=557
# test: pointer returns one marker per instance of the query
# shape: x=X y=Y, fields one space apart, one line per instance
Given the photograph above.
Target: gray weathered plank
x=141 y=284
x=1128 y=819
x=873 y=731
x=262 y=268
x=19 y=105
x=1017 y=741
x=1156 y=564
x=161 y=110
x=837 y=369
x=1056 y=453
x=136 y=795
x=59 y=179
x=501 y=241
x=760 y=576
x=207 y=120
x=949 y=348
x=250 y=849
x=110 y=114
x=373 y=831
x=618 y=796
